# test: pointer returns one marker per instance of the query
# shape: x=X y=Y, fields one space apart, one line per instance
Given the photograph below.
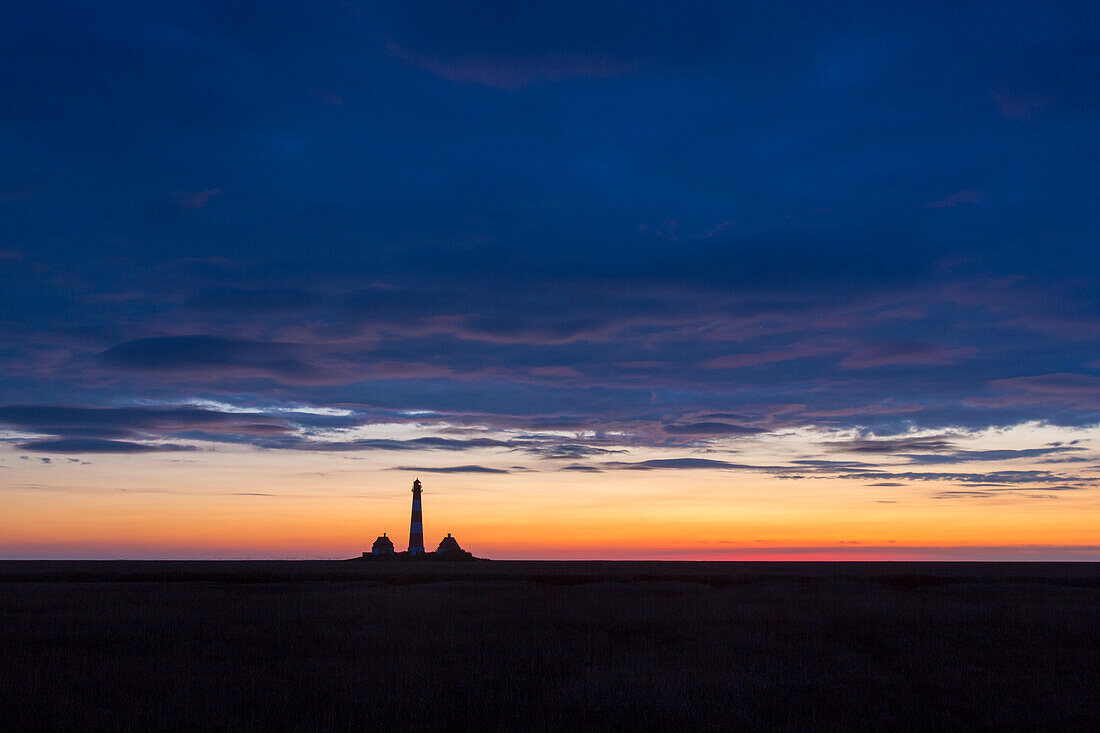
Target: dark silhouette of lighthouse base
x=416 y=526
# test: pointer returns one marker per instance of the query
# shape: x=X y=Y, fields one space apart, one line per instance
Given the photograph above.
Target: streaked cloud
x=452 y=469
x=1019 y=106
x=195 y=199
x=93 y=445
x=905 y=353
x=969 y=196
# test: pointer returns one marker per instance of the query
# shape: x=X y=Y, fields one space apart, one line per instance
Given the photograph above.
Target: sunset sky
x=615 y=280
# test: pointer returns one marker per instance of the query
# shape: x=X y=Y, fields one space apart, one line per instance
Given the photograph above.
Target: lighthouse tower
x=416 y=527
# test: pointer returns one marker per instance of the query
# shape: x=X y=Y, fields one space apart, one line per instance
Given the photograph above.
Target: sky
x=615 y=280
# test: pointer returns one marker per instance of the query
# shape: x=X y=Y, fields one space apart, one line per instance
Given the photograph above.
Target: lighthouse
x=416 y=527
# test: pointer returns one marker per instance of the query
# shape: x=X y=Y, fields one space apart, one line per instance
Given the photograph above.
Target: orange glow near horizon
x=256 y=504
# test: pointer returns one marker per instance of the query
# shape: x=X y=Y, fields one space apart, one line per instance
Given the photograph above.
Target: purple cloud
x=892 y=445
x=905 y=353
x=1018 y=106
x=674 y=463
x=61 y=420
x=386 y=444
x=569 y=451
x=1060 y=385
x=512 y=73
x=452 y=469
x=1077 y=391
x=970 y=196
x=195 y=199
x=198 y=356
x=801 y=351
x=990 y=479
x=18 y=193
x=1006 y=454
x=329 y=97
x=712 y=428
x=90 y=445
x=877 y=409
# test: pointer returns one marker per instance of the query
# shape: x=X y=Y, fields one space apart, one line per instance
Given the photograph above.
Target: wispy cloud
x=200 y=355
x=1004 y=454
x=195 y=199
x=674 y=463
x=969 y=196
x=1076 y=391
x=803 y=351
x=91 y=445
x=510 y=73
x=712 y=428
x=329 y=97
x=906 y=353
x=452 y=469
x=1019 y=106
x=934 y=444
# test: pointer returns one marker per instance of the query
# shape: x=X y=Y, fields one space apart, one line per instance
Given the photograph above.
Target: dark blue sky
x=664 y=223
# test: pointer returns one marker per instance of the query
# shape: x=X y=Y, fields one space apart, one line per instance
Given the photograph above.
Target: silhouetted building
x=382 y=546
x=449 y=549
x=416 y=525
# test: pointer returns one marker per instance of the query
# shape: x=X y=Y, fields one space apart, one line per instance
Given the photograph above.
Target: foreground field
x=549 y=646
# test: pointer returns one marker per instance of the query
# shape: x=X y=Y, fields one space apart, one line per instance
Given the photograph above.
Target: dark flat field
x=549 y=646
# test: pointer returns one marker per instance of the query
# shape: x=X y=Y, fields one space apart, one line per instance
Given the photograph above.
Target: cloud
x=385 y=444
x=991 y=478
x=674 y=463
x=969 y=196
x=1055 y=385
x=329 y=97
x=1000 y=493
x=876 y=409
x=966 y=456
x=491 y=293
x=570 y=450
x=452 y=469
x=905 y=353
x=195 y=199
x=511 y=73
x=566 y=372
x=712 y=428
x=737 y=361
x=115 y=422
x=261 y=301
x=1078 y=392
x=1017 y=106
x=510 y=46
x=17 y=193
x=936 y=444
x=201 y=355
x=838 y=465
x=92 y=445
